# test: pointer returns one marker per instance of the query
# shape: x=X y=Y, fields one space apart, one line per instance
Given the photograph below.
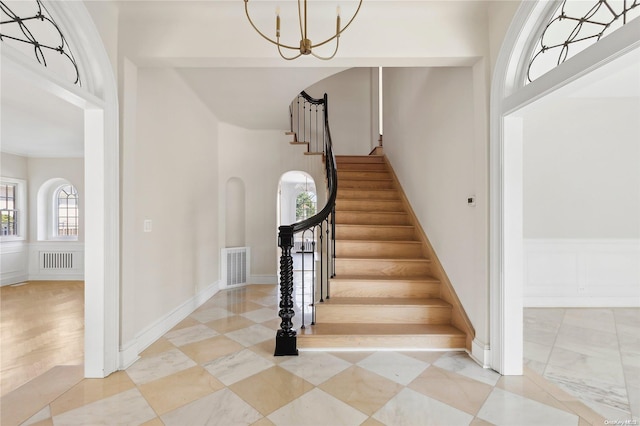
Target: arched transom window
x=66 y=211
x=574 y=26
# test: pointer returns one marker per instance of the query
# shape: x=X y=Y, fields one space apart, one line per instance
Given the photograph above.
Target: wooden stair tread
x=365 y=225
x=379 y=329
x=372 y=194
x=403 y=213
x=359 y=179
x=387 y=301
x=382 y=278
x=387 y=259
x=359 y=159
x=347 y=240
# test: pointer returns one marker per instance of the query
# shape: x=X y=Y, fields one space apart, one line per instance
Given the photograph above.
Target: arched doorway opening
x=297 y=200
x=97 y=100
x=509 y=97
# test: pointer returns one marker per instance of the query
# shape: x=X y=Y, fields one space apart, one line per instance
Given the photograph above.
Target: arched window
x=574 y=26
x=66 y=212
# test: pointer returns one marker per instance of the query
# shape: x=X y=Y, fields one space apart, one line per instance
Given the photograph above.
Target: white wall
x=582 y=202
x=430 y=141
x=259 y=159
x=350 y=104
x=581 y=169
x=170 y=176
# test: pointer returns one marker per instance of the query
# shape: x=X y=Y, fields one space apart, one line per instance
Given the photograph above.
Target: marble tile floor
x=217 y=368
x=592 y=353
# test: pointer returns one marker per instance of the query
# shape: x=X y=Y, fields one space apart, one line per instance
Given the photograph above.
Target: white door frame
x=505 y=164
x=98 y=99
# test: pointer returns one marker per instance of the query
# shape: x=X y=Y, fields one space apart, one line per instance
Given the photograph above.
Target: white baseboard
x=130 y=351
x=581 y=273
x=263 y=279
x=480 y=353
x=10 y=279
x=57 y=277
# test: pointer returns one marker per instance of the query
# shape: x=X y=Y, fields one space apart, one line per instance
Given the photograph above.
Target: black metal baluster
x=286 y=337
x=321 y=267
x=313 y=278
x=302 y=250
x=298 y=119
x=328 y=258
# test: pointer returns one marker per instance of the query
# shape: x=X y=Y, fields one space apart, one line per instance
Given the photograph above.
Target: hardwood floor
x=41 y=326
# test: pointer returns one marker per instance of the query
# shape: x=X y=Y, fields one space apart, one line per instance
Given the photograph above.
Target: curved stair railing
x=310 y=125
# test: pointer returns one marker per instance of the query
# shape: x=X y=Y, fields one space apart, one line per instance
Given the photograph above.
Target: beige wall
x=430 y=141
x=14 y=166
x=170 y=176
x=350 y=103
x=259 y=159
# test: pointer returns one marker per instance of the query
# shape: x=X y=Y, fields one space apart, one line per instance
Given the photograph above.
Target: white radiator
x=235 y=264
x=56 y=260
x=304 y=246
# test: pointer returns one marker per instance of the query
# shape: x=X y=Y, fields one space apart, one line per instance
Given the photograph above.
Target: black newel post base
x=286 y=336
x=286 y=345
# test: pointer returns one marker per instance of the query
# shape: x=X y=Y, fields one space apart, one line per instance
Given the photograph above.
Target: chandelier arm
x=334 y=52
x=246 y=11
x=343 y=28
x=287 y=58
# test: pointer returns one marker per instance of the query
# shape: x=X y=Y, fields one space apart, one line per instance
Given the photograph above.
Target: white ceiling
x=35 y=123
x=254 y=98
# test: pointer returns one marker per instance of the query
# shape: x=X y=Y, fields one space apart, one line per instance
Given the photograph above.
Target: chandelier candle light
x=306 y=46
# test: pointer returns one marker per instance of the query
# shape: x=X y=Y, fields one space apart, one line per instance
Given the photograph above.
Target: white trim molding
x=130 y=351
x=481 y=353
x=263 y=279
x=582 y=272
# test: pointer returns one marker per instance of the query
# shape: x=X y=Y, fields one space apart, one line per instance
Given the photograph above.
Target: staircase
x=388 y=289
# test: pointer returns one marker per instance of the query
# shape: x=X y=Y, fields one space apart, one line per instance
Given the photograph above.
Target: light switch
x=147 y=225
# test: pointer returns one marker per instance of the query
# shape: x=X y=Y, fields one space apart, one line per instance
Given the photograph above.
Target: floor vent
x=235 y=266
x=56 y=260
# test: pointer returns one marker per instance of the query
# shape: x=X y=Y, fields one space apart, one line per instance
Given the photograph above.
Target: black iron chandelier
x=306 y=46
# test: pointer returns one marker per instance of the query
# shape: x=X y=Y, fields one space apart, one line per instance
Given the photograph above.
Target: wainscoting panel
x=14 y=259
x=572 y=273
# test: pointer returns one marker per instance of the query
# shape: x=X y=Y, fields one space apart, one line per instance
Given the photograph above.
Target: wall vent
x=56 y=260
x=235 y=266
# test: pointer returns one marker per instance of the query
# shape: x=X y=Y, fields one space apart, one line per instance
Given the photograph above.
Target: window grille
x=574 y=26
x=29 y=27
x=8 y=210
x=66 y=200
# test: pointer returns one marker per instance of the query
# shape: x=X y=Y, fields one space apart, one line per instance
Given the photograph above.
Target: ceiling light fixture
x=306 y=46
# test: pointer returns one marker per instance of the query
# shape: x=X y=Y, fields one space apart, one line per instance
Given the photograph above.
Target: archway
x=508 y=94
x=98 y=101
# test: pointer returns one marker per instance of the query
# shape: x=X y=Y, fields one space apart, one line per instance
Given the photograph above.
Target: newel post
x=286 y=336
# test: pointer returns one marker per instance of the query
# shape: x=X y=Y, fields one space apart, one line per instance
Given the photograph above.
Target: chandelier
x=306 y=46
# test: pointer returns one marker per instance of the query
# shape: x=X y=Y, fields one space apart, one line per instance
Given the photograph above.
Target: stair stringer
x=459 y=317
